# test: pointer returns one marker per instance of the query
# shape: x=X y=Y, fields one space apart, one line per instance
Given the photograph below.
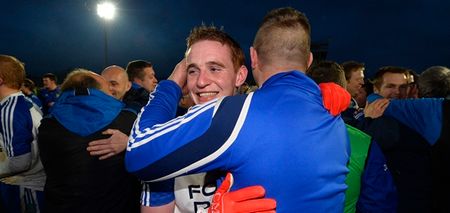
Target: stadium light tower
x=106 y=11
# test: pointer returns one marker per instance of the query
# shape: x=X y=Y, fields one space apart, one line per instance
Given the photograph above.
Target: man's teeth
x=207 y=94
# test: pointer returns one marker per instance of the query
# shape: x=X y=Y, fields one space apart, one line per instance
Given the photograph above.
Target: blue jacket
x=430 y=117
x=280 y=137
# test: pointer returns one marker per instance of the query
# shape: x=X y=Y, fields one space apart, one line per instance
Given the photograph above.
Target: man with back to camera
x=233 y=124
x=76 y=181
x=22 y=176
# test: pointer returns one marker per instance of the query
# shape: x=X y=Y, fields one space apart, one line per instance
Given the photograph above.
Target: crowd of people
x=309 y=137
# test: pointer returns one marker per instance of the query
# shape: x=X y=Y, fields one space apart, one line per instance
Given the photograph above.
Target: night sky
x=59 y=35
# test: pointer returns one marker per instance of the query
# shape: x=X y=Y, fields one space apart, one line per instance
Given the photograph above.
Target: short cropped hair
x=80 y=79
x=50 y=76
x=350 y=67
x=28 y=83
x=327 y=71
x=212 y=33
x=135 y=69
x=378 y=79
x=12 y=71
x=283 y=37
x=434 y=82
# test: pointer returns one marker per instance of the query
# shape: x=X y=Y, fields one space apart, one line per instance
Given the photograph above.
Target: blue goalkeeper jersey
x=279 y=137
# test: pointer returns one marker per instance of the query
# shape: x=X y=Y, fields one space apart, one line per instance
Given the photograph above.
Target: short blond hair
x=12 y=71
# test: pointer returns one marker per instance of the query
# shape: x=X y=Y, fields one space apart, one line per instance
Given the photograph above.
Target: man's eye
x=215 y=69
x=192 y=71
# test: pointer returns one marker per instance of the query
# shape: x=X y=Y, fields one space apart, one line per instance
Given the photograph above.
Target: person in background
x=407 y=152
x=143 y=82
x=76 y=181
x=49 y=93
x=118 y=81
x=22 y=176
x=28 y=88
x=370 y=184
x=354 y=76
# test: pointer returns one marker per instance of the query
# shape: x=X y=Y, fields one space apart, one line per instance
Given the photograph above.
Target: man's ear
x=254 y=58
x=128 y=86
x=310 y=59
x=241 y=76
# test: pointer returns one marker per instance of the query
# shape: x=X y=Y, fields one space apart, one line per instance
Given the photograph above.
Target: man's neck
x=6 y=91
x=269 y=71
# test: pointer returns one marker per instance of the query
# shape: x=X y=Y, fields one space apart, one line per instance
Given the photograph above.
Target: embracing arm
x=422 y=115
x=158 y=150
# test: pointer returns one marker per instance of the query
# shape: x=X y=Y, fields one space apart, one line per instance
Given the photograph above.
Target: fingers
x=381 y=104
x=179 y=73
x=110 y=131
x=257 y=205
x=99 y=142
x=226 y=184
x=100 y=150
x=103 y=157
x=247 y=193
x=376 y=108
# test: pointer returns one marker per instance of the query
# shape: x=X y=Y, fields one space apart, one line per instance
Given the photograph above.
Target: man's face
x=149 y=81
x=355 y=82
x=47 y=82
x=210 y=71
x=118 y=82
x=394 y=85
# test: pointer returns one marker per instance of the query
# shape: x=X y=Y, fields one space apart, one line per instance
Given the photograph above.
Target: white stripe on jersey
x=145 y=195
x=7 y=124
x=150 y=134
x=222 y=149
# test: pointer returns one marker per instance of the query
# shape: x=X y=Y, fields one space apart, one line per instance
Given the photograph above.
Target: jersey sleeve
x=378 y=192
x=422 y=115
x=160 y=148
x=17 y=136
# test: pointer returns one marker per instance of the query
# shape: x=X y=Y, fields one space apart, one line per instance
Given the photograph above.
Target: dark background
x=59 y=35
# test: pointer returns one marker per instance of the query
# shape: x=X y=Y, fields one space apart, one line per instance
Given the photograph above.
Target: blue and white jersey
x=280 y=137
x=20 y=120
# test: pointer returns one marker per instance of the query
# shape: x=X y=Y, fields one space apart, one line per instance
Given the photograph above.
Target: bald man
x=77 y=182
x=118 y=81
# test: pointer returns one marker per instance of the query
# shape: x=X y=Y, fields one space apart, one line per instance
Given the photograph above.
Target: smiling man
x=215 y=68
x=118 y=81
x=260 y=137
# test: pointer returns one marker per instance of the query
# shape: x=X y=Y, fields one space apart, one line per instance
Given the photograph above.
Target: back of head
x=435 y=82
x=327 y=71
x=283 y=38
x=135 y=69
x=12 y=72
x=81 y=79
x=378 y=79
x=350 y=67
x=212 y=33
